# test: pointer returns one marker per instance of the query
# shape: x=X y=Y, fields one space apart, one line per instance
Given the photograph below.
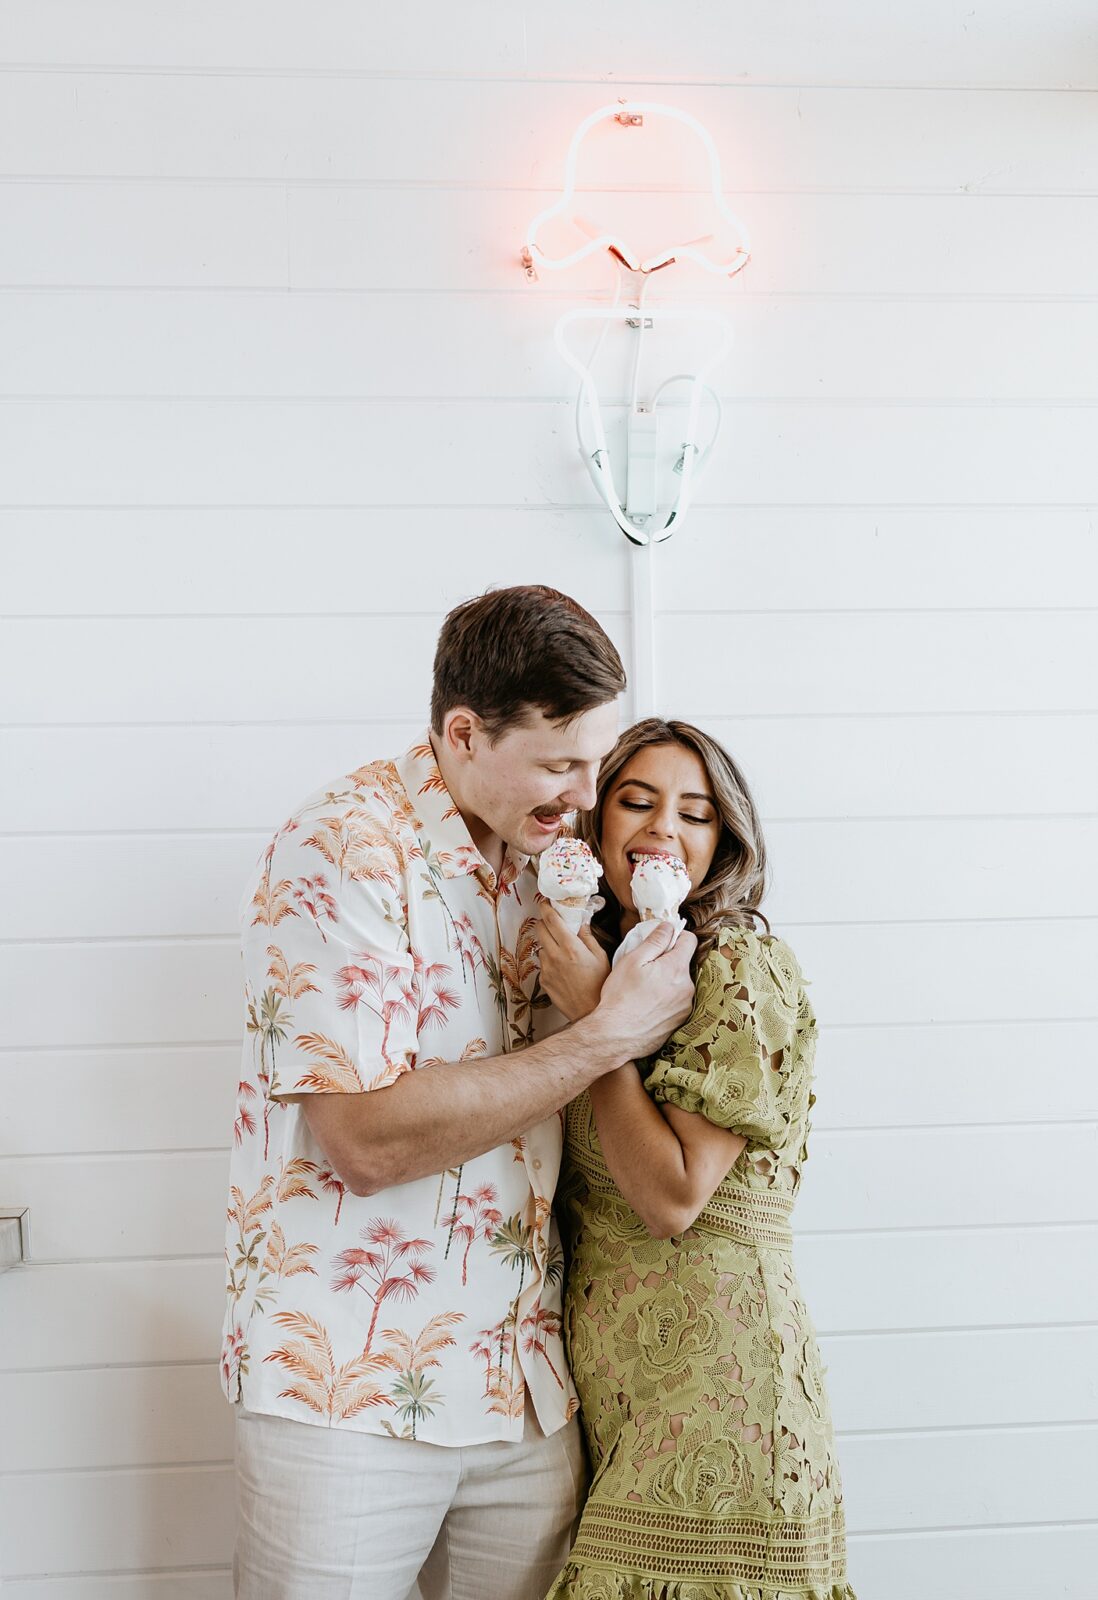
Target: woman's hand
x=573 y=968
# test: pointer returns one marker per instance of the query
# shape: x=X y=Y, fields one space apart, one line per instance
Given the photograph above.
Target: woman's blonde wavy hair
x=737 y=879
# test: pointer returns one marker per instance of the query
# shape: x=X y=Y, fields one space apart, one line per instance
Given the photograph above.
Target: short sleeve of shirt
x=330 y=980
x=727 y=1062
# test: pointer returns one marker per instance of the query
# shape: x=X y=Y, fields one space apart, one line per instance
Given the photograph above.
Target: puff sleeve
x=734 y=1058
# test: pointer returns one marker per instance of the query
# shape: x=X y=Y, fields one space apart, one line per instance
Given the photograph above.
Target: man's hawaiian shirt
x=377 y=940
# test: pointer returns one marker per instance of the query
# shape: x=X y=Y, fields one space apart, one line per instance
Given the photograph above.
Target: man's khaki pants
x=332 y=1514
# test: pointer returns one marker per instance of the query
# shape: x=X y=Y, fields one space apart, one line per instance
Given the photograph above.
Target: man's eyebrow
x=640 y=783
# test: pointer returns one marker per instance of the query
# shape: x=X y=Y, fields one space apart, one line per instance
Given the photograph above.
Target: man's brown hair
x=512 y=650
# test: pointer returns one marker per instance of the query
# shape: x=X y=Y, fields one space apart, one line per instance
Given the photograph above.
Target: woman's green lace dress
x=706 y=1417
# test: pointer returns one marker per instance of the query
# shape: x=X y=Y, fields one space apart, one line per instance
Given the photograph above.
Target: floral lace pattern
x=703 y=1395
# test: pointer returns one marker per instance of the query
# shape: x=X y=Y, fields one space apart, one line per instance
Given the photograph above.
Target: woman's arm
x=666 y=1162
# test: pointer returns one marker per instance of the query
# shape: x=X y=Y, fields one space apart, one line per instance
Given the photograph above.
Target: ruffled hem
x=580 y=1582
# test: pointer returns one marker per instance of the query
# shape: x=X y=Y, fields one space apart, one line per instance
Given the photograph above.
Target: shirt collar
x=438 y=817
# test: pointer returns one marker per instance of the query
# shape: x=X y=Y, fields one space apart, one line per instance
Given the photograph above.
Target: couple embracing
x=511 y=1302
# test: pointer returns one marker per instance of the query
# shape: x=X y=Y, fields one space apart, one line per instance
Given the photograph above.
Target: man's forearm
x=440 y=1117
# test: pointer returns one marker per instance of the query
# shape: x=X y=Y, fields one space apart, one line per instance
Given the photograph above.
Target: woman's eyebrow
x=640 y=784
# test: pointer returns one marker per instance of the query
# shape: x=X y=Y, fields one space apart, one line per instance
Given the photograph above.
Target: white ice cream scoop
x=659 y=885
x=568 y=875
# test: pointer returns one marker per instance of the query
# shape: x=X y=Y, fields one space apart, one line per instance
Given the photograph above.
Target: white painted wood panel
x=117 y=1207
x=206 y=1583
x=160 y=885
x=178 y=1516
x=960 y=1380
x=113 y=1314
x=142 y=232
x=121 y=561
x=786 y=43
x=138 y=1206
x=249 y=776
x=208 y=342
x=373 y=453
x=178 y=669
x=113 y=1417
x=1030 y=1072
x=1002 y=1477
x=186 y=991
x=1018 y=1563
x=297 y=129
x=164 y=1097
x=74 y=233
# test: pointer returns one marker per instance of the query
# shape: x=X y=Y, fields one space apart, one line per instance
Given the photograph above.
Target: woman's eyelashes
x=639 y=805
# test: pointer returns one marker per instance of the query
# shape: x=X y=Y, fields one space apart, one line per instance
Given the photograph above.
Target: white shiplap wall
x=275 y=395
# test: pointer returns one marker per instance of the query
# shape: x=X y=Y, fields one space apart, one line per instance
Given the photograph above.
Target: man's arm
x=439 y=1117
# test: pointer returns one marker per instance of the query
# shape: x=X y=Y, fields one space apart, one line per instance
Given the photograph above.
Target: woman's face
x=660 y=800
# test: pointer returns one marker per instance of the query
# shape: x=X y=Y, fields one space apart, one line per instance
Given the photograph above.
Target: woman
x=702 y=1393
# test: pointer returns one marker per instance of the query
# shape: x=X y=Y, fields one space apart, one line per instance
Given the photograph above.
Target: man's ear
x=459 y=729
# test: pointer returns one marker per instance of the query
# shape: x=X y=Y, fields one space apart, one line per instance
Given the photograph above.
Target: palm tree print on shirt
x=413 y=1394
x=474 y=1217
x=314 y=900
x=513 y=1241
x=393 y=1265
x=335 y=1392
x=393 y=988
x=251 y=1231
x=272 y=1023
x=536 y=1328
x=357 y=846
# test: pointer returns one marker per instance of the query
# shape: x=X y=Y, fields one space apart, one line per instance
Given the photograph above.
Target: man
x=393 y=1329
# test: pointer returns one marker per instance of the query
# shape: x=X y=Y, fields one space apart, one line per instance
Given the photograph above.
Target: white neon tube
x=680 y=250
x=598 y=460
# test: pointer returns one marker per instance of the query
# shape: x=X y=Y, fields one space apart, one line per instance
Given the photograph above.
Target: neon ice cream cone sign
x=722 y=252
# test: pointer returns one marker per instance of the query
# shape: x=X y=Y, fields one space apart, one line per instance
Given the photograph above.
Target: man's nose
x=582 y=795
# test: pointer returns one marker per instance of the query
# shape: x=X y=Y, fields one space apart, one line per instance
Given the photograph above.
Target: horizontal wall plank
x=257 y=127
x=962 y=1380
x=863 y=974
x=183 y=234
x=168 y=452
x=983 y=1278
x=1000 y=1477
x=161 y=1311
x=239 y=241
x=250 y=777
x=193 y=1584
x=156 y=1416
x=87 y=561
x=200 y=343
x=1010 y=1563
x=182 y=1097
x=233 y=668
x=978 y=1278
x=166 y=1098
x=169 y=885
x=84 y=1522
x=173 y=1204
x=878 y=1076
x=83 y=1208
x=624 y=39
